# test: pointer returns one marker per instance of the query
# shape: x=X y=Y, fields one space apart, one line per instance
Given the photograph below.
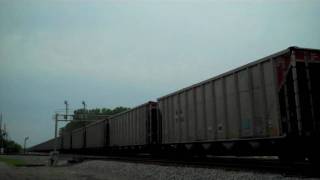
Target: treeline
x=6 y=145
x=11 y=147
x=90 y=115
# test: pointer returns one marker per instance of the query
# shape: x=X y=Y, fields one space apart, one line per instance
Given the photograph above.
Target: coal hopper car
x=78 y=142
x=135 y=130
x=267 y=107
x=97 y=137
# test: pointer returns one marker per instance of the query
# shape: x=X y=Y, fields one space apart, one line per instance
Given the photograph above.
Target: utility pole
x=4 y=137
x=5 y=131
x=0 y=122
x=55 y=132
x=54 y=154
x=25 y=144
x=1 y=135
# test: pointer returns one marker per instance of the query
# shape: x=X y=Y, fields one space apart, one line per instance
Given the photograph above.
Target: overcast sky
x=112 y=53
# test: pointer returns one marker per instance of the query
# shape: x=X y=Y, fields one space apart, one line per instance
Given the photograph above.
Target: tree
x=12 y=147
x=92 y=115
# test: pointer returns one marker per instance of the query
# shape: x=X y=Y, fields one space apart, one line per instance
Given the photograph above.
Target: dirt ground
x=36 y=168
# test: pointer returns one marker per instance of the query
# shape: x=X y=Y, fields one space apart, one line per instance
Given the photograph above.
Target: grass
x=11 y=161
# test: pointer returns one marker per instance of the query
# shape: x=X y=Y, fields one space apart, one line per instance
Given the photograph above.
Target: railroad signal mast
x=3 y=135
x=60 y=117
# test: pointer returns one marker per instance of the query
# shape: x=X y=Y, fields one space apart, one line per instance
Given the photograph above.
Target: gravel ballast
x=114 y=170
x=122 y=170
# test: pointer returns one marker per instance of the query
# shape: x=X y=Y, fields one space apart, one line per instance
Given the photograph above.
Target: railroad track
x=261 y=165
x=297 y=169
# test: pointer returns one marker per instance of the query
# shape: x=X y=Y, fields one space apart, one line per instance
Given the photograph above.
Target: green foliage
x=11 y=147
x=92 y=115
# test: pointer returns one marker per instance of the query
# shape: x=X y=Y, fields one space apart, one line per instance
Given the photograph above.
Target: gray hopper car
x=97 y=135
x=46 y=146
x=78 y=137
x=266 y=102
x=134 y=127
x=66 y=141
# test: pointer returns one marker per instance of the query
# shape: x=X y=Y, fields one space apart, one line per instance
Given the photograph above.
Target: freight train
x=270 y=107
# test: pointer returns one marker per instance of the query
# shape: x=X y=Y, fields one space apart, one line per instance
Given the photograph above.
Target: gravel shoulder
x=113 y=170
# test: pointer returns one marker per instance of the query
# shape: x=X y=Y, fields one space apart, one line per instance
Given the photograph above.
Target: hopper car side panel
x=78 y=140
x=66 y=141
x=236 y=106
x=133 y=127
x=96 y=134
